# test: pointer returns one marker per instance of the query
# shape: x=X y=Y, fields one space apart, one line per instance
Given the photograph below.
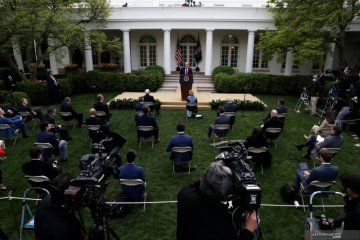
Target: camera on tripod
x=88 y=189
x=246 y=193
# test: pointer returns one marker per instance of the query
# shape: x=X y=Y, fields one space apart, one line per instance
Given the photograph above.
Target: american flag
x=178 y=54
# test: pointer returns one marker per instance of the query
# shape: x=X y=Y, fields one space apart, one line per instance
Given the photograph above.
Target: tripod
x=303 y=100
x=244 y=101
x=101 y=229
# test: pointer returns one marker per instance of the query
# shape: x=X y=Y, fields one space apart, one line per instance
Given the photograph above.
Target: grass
x=159 y=220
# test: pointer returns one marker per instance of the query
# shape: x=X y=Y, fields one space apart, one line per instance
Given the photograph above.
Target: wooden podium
x=186 y=82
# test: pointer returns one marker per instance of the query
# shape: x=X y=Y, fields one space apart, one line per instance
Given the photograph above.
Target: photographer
x=201 y=213
x=351 y=185
x=52 y=220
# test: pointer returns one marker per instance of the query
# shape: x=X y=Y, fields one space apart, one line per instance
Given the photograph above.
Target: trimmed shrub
x=249 y=105
x=223 y=69
x=127 y=103
x=6 y=99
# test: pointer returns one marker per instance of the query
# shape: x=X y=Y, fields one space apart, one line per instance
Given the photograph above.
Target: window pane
x=256 y=58
x=142 y=52
x=224 y=55
x=152 y=55
x=234 y=56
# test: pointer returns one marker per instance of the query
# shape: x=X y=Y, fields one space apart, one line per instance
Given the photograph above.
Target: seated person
x=52 y=219
x=257 y=140
x=45 y=136
x=2 y=157
x=112 y=142
x=334 y=140
x=147 y=120
x=201 y=213
x=191 y=110
x=328 y=122
x=148 y=98
x=24 y=107
x=351 y=218
x=221 y=119
x=37 y=166
x=139 y=107
x=67 y=107
x=131 y=171
x=231 y=107
x=49 y=117
x=272 y=122
x=310 y=141
x=281 y=108
x=180 y=140
x=15 y=123
x=325 y=172
x=93 y=120
x=101 y=106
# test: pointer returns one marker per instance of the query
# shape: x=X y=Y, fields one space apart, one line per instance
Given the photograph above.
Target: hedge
x=246 y=105
x=7 y=99
x=257 y=83
x=127 y=103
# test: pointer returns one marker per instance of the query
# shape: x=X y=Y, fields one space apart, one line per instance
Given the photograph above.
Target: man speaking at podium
x=186 y=80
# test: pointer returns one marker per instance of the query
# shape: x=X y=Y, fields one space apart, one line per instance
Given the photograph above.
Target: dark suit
x=132 y=171
x=230 y=107
x=149 y=98
x=273 y=122
x=100 y=106
x=48 y=137
x=64 y=134
x=40 y=167
x=331 y=141
x=180 y=140
x=93 y=120
x=65 y=107
x=26 y=108
x=53 y=87
x=324 y=172
x=147 y=120
x=221 y=119
x=184 y=73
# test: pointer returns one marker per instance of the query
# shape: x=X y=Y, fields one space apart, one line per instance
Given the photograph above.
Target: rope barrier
x=167 y=202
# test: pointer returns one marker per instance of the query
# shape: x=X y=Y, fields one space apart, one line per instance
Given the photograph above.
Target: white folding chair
x=135 y=182
x=4 y=127
x=100 y=114
x=93 y=129
x=25 y=114
x=181 y=150
x=274 y=133
x=144 y=130
x=68 y=114
x=220 y=127
x=258 y=150
x=45 y=147
x=318 y=184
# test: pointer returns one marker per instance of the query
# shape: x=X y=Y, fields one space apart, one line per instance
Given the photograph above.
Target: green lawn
x=159 y=220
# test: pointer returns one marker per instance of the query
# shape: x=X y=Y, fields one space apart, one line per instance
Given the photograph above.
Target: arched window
x=188 y=47
x=147 y=51
x=229 y=52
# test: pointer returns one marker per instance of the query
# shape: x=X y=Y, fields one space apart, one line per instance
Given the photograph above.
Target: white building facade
x=227 y=31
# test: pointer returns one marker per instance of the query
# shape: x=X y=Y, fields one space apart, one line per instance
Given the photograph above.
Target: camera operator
x=52 y=220
x=201 y=213
x=351 y=185
x=112 y=143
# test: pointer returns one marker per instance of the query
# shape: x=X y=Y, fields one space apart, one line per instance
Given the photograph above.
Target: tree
x=33 y=23
x=307 y=27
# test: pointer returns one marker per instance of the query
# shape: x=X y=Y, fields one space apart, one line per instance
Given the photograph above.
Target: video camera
x=88 y=189
x=246 y=193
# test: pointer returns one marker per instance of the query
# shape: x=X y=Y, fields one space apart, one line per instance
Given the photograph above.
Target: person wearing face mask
x=351 y=218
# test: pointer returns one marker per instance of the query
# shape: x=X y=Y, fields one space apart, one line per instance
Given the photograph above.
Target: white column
x=329 y=60
x=126 y=45
x=17 y=55
x=288 y=64
x=52 y=57
x=88 y=54
x=250 y=51
x=209 y=48
x=167 y=59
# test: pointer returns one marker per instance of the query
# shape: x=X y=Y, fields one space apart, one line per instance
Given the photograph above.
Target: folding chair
x=321 y=185
x=281 y=117
x=349 y=122
x=64 y=115
x=7 y=127
x=190 y=107
x=272 y=134
x=181 y=150
x=135 y=182
x=93 y=130
x=27 y=216
x=26 y=114
x=333 y=151
x=47 y=149
x=325 y=132
x=220 y=127
x=257 y=151
x=100 y=114
x=146 y=133
x=231 y=115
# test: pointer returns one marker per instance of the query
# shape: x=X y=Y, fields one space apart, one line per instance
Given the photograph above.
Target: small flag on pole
x=178 y=54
